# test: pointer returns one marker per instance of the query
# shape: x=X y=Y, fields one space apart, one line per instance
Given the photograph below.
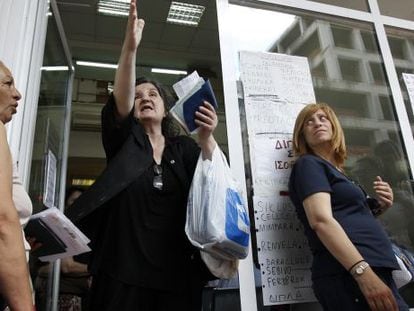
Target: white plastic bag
x=221 y=268
x=217 y=220
x=403 y=276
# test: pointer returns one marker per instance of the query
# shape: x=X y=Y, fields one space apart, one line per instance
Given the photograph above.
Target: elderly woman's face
x=149 y=104
x=9 y=95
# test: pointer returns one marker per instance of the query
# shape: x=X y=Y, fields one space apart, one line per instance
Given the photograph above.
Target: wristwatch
x=360 y=268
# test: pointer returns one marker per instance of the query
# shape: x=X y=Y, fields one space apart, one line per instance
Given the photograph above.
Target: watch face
x=361 y=268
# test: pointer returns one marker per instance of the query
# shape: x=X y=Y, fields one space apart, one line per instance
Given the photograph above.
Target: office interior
x=63 y=54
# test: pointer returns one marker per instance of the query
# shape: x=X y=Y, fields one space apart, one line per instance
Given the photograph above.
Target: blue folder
x=191 y=105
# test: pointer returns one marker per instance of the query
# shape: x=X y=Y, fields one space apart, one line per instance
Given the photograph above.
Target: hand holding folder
x=50 y=242
x=58 y=236
x=190 y=101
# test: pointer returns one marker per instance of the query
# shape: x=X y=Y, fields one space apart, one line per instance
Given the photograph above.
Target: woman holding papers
x=14 y=205
x=74 y=278
x=352 y=255
x=141 y=258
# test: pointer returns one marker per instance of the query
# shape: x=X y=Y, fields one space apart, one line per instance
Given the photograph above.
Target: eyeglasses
x=157 y=182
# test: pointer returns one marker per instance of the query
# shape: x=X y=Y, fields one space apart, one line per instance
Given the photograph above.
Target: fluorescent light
x=105 y=11
x=54 y=68
x=182 y=22
x=169 y=71
x=94 y=64
x=113 y=7
x=82 y=182
x=185 y=14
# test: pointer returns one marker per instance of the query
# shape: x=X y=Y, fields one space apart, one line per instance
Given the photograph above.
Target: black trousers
x=341 y=292
x=108 y=294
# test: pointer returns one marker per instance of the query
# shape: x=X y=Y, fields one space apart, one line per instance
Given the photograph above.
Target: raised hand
x=124 y=86
x=133 y=34
x=206 y=119
x=384 y=193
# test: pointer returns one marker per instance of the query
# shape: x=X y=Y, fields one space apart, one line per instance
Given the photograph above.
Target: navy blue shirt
x=312 y=174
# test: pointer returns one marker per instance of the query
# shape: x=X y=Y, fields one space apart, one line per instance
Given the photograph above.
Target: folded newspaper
x=192 y=91
x=59 y=237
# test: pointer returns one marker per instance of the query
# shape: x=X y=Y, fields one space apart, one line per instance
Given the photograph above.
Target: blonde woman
x=352 y=255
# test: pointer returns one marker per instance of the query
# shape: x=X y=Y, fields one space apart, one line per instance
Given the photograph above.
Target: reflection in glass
x=402 y=49
x=397 y=8
x=361 y=5
x=348 y=74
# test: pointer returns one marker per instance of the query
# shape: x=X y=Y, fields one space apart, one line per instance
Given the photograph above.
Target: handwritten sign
x=276 y=87
x=268 y=116
x=283 y=252
x=273 y=159
x=409 y=83
x=286 y=76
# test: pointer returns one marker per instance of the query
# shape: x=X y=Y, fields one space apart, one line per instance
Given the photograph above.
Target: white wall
x=23 y=26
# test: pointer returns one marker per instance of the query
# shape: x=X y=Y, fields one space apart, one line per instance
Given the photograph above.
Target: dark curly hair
x=169 y=126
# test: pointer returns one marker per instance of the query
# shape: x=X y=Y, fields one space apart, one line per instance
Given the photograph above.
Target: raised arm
x=319 y=214
x=124 y=85
x=14 y=275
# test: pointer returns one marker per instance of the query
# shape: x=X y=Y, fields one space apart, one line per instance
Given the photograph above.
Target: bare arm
x=70 y=266
x=14 y=275
x=124 y=85
x=319 y=214
x=206 y=119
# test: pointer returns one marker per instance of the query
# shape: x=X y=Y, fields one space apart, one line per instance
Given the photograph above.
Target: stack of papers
x=59 y=237
x=192 y=91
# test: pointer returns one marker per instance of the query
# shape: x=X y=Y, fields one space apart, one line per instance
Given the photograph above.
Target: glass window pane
x=402 y=49
x=48 y=146
x=361 y=5
x=348 y=73
x=49 y=132
x=397 y=8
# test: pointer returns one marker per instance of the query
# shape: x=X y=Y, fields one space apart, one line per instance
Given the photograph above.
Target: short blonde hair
x=300 y=146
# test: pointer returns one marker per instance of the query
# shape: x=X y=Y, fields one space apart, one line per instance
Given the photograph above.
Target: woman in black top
x=352 y=255
x=141 y=258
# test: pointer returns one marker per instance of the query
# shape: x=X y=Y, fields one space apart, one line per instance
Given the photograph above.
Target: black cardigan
x=125 y=144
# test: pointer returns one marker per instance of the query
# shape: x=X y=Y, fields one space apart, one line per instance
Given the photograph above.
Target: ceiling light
x=82 y=182
x=185 y=14
x=54 y=68
x=114 y=7
x=94 y=64
x=169 y=71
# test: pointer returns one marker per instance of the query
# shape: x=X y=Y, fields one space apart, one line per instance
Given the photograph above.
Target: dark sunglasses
x=157 y=182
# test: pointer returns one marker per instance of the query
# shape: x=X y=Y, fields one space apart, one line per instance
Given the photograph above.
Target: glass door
x=48 y=169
